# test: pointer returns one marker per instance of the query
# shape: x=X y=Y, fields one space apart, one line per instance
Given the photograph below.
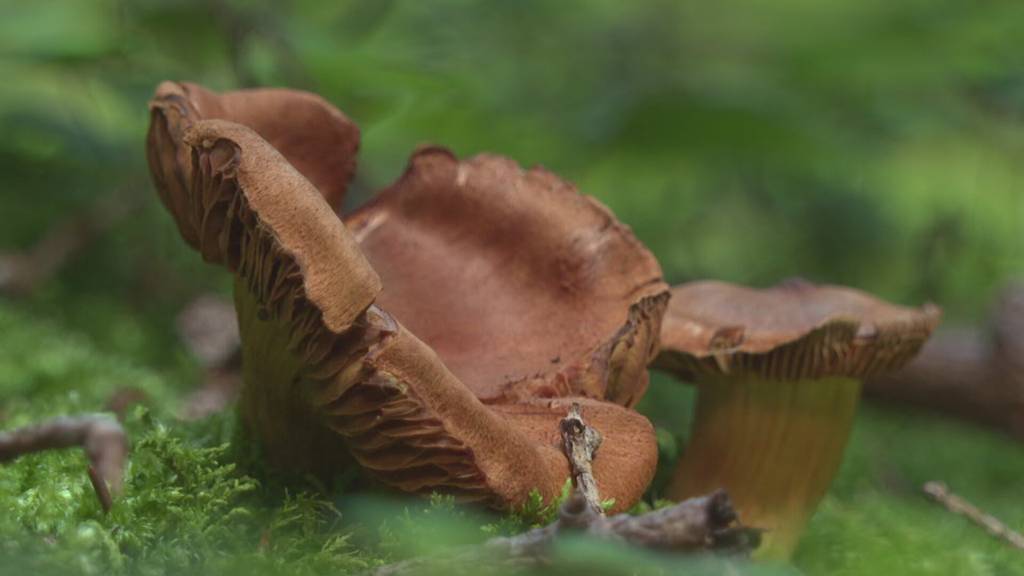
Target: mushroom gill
x=442 y=342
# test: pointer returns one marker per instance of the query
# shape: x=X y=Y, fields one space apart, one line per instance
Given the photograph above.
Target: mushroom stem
x=774 y=446
x=272 y=403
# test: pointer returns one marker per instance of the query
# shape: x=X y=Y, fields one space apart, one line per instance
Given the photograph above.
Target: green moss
x=876 y=519
x=186 y=506
x=197 y=501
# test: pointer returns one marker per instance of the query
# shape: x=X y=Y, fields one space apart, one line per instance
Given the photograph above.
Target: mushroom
x=779 y=373
x=438 y=335
x=316 y=138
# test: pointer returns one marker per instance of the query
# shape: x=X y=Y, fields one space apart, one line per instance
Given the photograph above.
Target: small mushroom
x=416 y=336
x=779 y=372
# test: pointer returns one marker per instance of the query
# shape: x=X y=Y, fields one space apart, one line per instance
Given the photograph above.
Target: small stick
x=99 y=485
x=580 y=443
x=103 y=439
x=957 y=505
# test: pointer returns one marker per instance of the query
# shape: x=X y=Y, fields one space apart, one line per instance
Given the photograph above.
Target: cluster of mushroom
x=437 y=335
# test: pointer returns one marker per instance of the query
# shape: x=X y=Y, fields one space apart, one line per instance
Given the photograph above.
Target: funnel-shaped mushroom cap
x=314 y=136
x=523 y=286
x=795 y=330
x=328 y=364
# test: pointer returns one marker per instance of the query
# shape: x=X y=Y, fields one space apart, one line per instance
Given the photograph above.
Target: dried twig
x=103 y=439
x=580 y=443
x=957 y=505
x=704 y=523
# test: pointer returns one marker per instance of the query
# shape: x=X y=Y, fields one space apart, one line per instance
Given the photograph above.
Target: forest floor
x=196 y=499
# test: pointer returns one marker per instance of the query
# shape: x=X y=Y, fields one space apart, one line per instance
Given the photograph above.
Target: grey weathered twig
x=957 y=505
x=103 y=439
x=580 y=443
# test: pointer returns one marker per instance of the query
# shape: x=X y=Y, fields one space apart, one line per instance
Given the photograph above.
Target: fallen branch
x=698 y=524
x=970 y=373
x=103 y=439
x=957 y=505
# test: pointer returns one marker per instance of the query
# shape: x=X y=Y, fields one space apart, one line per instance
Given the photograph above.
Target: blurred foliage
x=865 y=142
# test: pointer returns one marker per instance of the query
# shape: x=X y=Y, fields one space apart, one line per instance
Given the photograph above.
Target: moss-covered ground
x=196 y=500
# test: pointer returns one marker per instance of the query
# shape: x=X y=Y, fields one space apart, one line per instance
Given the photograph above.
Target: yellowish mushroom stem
x=274 y=409
x=775 y=446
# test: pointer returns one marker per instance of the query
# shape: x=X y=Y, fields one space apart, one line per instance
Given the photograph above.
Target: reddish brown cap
x=794 y=330
x=314 y=136
x=523 y=286
x=418 y=428
x=326 y=360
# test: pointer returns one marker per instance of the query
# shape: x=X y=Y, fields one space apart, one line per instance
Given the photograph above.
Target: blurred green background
x=865 y=142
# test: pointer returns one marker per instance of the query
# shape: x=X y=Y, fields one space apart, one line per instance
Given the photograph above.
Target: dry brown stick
x=698 y=524
x=969 y=373
x=957 y=505
x=103 y=439
x=580 y=443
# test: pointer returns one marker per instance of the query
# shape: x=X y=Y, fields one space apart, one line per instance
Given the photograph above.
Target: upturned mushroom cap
x=523 y=286
x=326 y=358
x=314 y=136
x=795 y=330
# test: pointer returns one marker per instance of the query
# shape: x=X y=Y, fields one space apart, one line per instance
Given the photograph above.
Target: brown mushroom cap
x=795 y=330
x=523 y=286
x=314 y=136
x=627 y=458
x=324 y=360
